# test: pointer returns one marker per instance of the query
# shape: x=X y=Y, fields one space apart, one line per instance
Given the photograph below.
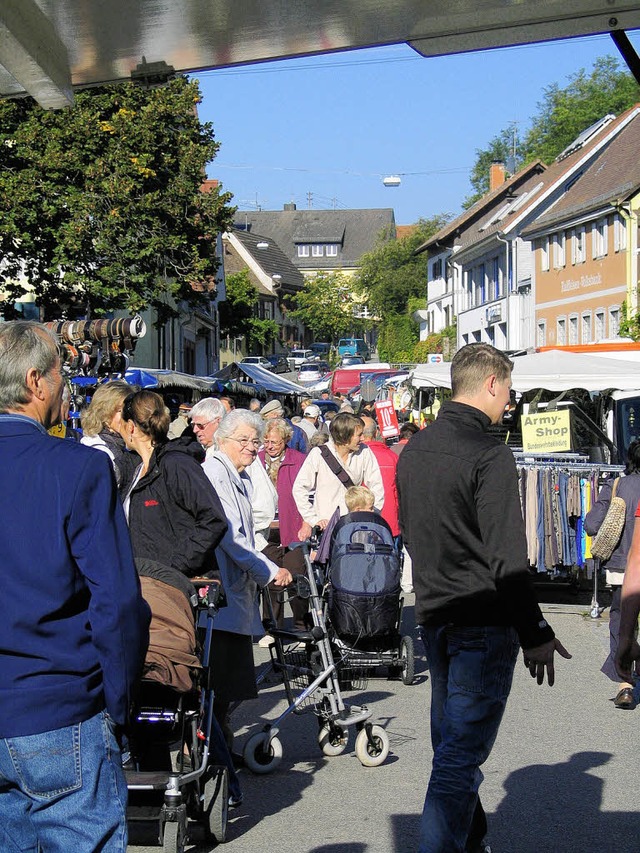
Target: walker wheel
x=333 y=739
x=217 y=812
x=259 y=760
x=407 y=660
x=173 y=837
x=372 y=752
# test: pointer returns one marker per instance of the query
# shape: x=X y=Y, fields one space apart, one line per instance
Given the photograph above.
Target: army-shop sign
x=546 y=432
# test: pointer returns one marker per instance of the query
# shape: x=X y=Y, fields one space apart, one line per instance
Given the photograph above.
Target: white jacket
x=317 y=479
x=242 y=568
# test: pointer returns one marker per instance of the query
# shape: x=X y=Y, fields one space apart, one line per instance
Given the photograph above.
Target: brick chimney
x=497 y=175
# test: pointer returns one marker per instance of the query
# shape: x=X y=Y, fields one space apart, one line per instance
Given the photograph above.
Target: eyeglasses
x=200 y=426
x=244 y=442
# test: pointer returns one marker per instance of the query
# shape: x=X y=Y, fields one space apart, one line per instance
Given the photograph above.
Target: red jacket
x=388 y=462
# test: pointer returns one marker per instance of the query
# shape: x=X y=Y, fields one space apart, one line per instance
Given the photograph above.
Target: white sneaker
x=266 y=641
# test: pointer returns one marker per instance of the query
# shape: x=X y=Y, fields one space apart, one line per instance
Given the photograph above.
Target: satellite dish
x=391 y=181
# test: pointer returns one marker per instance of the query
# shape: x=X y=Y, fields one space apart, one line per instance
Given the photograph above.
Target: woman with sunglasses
x=243 y=569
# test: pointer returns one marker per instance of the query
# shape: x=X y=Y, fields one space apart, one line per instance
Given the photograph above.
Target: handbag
x=606 y=539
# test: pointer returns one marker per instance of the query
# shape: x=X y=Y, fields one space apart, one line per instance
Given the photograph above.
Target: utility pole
x=309 y=200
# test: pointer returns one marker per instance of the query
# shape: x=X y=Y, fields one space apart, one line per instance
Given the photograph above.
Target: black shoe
x=625 y=699
x=235 y=802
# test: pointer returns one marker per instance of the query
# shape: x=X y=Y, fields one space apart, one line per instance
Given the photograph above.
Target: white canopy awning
x=554 y=370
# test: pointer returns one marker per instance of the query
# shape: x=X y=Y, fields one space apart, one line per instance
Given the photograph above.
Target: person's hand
x=323 y=523
x=283 y=577
x=305 y=532
x=540 y=658
x=627 y=654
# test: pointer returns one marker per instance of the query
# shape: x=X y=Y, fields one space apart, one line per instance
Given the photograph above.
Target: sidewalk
x=562 y=776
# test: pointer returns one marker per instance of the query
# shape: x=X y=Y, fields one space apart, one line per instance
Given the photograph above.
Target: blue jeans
x=471 y=673
x=63 y=790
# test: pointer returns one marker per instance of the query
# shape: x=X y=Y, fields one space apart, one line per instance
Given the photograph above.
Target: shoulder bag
x=335 y=466
x=606 y=539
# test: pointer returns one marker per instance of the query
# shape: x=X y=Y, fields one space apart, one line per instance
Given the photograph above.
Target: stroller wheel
x=173 y=837
x=259 y=760
x=333 y=739
x=372 y=752
x=407 y=660
x=218 y=810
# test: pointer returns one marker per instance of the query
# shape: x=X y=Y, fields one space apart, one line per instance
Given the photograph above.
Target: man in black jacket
x=461 y=521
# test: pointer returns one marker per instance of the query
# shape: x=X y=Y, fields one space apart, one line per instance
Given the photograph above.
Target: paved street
x=562 y=776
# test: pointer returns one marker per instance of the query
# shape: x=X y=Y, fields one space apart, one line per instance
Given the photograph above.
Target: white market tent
x=554 y=370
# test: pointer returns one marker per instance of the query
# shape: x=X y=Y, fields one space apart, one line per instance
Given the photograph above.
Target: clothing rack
x=555 y=501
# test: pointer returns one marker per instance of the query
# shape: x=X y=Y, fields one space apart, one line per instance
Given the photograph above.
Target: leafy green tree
x=101 y=206
x=327 y=306
x=238 y=312
x=563 y=114
x=391 y=273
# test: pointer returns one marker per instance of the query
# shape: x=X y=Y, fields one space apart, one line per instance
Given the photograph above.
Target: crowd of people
x=109 y=532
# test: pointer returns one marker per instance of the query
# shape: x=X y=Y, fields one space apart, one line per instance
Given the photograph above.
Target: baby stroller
x=306 y=664
x=364 y=601
x=192 y=785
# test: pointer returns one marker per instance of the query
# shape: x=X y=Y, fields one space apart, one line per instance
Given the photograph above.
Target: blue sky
x=335 y=125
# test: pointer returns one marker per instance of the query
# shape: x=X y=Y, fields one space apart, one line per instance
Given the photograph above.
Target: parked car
x=348 y=360
x=321 y=349
x=312 y=371
x=279 y=363
x=326 y=406
x=353 y=346
x=260 y=360
x=299 y=356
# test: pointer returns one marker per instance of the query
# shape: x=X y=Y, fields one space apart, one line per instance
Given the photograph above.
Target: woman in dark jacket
x=629 y=490
x=175 y=517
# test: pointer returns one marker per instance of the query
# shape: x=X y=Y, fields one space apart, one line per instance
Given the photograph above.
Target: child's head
x=359 y=499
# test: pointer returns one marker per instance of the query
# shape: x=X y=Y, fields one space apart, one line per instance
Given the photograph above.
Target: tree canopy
x=392 y=273
x=563 y=114
x=101 y=204
x=328 y=305
x=238 y=312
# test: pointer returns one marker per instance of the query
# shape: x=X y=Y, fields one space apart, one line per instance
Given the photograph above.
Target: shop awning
x=272 y=383
x=554 y=370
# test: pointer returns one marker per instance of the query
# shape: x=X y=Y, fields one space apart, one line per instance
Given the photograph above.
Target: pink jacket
x=388 y=462
x=288 y=515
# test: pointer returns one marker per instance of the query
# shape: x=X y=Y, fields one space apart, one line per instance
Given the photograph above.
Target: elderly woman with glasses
x=243 y=569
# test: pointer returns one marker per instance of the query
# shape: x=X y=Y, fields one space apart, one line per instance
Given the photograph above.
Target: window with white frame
x=480 y=285
x=331 y=250
x=578 y=246
x=541 y=333
x=599 y=327
x=586 y=327
x=303 y=250
x=317 y=250
x=561 y=331
x=544 y=254
x=573 y=329
x=614 y=321
x=619 y=233
x=599 y=238
x=559 y=253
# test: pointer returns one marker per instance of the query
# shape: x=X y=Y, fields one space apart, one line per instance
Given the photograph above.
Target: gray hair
x=209 y=408
x=237 y=418
x=24 y=345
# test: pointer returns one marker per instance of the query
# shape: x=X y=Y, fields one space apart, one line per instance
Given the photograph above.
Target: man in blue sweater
x=73 y=625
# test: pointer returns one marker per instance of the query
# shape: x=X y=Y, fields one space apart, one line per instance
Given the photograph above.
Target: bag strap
x=335 y=466
x=614 y=487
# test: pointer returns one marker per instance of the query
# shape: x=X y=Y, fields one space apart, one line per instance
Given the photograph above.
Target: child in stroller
x=364 y=601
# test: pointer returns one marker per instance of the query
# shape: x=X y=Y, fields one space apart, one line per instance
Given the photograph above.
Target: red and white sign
x=387 y=419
